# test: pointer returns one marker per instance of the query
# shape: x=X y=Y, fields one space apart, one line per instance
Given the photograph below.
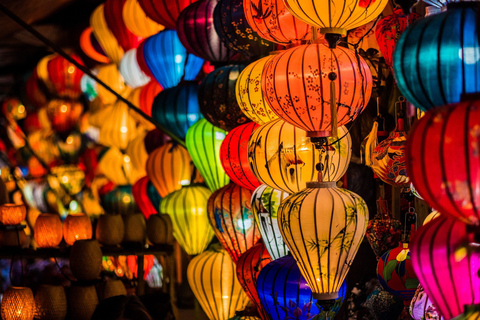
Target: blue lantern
x=436 y=60
x=177 y=108
x=285 y=294
x=168 y=60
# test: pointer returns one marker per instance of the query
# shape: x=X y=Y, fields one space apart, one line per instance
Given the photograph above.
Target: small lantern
x=86 y=259
x=160 y=229
x=50 y=303
x=135 y=228
x=82 y=302
x=18 y=304
x=77 y=226
x=48 y=230
x=12 y=214
x=110 y=288
x=64 y=114
x=110 y=229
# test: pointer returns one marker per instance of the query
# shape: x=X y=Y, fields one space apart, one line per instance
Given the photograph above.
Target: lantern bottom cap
x=341 y=31
x=326 y=184
x=325 y=296
x=319 y=134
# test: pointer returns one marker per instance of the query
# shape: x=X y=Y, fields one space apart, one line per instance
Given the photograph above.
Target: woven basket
x=160 y=229
x=135 y=228
x=18 y=304
x=86 y=259
x=50 y=303
x=12 y=214
x=48 y=230
x=82 y=302
x=110 y=229
x=110 y=288
x=77 y=227
x=13 y=238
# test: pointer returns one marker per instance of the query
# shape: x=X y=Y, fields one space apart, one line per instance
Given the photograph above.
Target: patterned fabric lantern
x=64 y=114
x=203 y=144
x=50 y=303
x=232 y=220
x=423 y=77
x=12 y=214
x=169 y=168
x=234 y=156
x=18 y=304
x=130 y=70
x=421 y=307
x=211 y=275
x=451 y=136
x=323 y=227
x=119 y=201
x=188 y=209
x=265 y=202
x=104 y=35
x=137 y=21
x=216 y=96
x=164 y=12
x=284 y=292
x=64 y=78
x=48 y=230
x=177 y=108
x=139 y=191
x=197 y=33
x=77 y=226
x=446 y=266
x=249 y=266
x=113 y=11
x=300 y=92
x=167 y=59
x=284 y=158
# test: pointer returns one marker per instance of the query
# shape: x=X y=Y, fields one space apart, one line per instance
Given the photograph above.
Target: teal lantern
x=119 y=201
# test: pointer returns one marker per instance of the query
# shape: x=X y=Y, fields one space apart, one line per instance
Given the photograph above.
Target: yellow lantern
x=248 y=90
x=137 y=21
x=70 y=177
x=12 y=214
x=137 y=152
x=118 y=167
x=48 y=230
x=188 y=209
x=134 y=97
x=77 y=227
x=104 y=35
x=118 y=128
x=114 y=79
x=212 y=277
x=18 y=304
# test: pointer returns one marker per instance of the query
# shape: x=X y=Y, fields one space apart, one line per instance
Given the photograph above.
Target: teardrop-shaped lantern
x=164 y=12
x=130 y=70
x=140 y=194
x=203 y=144
x=64 y=114
x=284 y=158
x=323 y=226
x=113 y=11
x=104 y=35
x=64 y=77
x=137 y=21
x=234 y=156
x=118 y=127
x=232 y=220
x=111 y=76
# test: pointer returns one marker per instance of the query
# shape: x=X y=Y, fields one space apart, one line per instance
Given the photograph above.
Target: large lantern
x=446 y=265
x=110 y=75
x=298 y=82
x=113 y=10
x=284 y=158
x=48 y=230
x=232 y=220
x=131 y=71
x=137 y=152
x=450 y=135
x=234 y=156
x=140 y=194
x=137 y=21
x=445 y=64
x=203 y=144
x=323 y=226
x=211 y=275
x=216 y=96
x=64 y=114
x=188 y=209
x=18 y=304
x=164 y=12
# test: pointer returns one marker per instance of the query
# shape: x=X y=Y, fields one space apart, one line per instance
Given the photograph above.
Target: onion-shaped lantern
x=164 y=12
x=48 y=230
x=63 y=77
x=64 y=114
x=234 y=156
x=77 y=226
x=131 y=71
x=120 y=201
x=323 y=226
x=232 y=220
x=298 y=83
x=142 y=199
x=216 y=96
x=18 y=304
x=211 y=275
x=284 y=158
x=203 y=144
x=104 y=35
x=137 y=21
x=167 y=59
x=446 y=265
x=445 y=64
x=113 y=10
x=450 y=135
x=265 y=202
x=197 y=33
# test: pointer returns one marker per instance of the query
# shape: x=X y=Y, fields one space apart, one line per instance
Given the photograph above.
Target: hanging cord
x=61 y=271
x=87 y=71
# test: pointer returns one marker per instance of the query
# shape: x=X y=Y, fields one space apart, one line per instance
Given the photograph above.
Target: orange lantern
x=137 y=21
x=77 y=226
x=87 y=47
x=18 y=304
x=12 y=214
x=104 y=35
x=112 y=77
x=64 y=114
x=48 y=230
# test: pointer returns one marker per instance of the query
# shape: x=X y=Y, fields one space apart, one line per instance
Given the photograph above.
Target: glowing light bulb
x=245 y=224
x=126 y=159
x=123 y=129
x=185 y=182
x=63 y=108
x=71 y=69
x=21 y=108
x=69 y=140
x=64 y=179
x=126 y=199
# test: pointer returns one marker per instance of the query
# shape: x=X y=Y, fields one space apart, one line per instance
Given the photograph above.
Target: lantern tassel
x=333 y=104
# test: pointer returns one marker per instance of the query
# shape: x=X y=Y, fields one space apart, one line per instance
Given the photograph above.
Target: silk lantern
x=120 y=200
x=104 y=35
x=211 y=275
x=177 y=108
x=188 y=209
x=139 y=191
x=284 y=158
x=90 y=46
x=12 y=214
x=64 y=114
x=165 y=13
x=48 y=230
x=130 y=70
x=300 y=92
x=137 y=152
x=113 y=11
x=167 y=59
x=118 y=127
x=234 y=156
x=169 y=168
x=137 y=21
x=117 y=167
x=111 y=76
x=265 y=202
x=143 y=98
x=323 y=226
x=77 y=226
x=450 y=183
x=446 y=62
x=249 y=266
x=446 y=265
x=18 y=304
x=432 y=215
x=64 y=77
x=203 y=142
x=197 y=33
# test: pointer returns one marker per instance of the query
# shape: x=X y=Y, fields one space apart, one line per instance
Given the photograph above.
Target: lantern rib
x=466 y=146
x=439 y=61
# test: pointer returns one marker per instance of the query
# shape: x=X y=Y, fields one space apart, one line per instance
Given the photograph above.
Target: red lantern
x=234 y=156
x=33 y=92
x=164 y=12
x=248 y=268
x=443 y=159
x=64 y=77
x=113 y=11
x=64 y=114
x=139 y=191
x=147 y=95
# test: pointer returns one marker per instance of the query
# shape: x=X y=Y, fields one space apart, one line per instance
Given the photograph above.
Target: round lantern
x=110 y=229
x=203 y=144
x=104 y=35
x=446 y=265
x=211 y=275
x=421 y=307
x=197 y=33
x=48 y=230
x=82 y=301
x=86 y=259
x=234 y=156
x=164 y=12
x=284 y=292
x=323 y=227
x=284 y=158
x=110 y=288
x=119 y=201
x=77 y=226
x=50 y=303
x=160 y=229
x=265 y=202
x=188 y=209
x=69 y=177
x=18 y=304
x=64 y=78
x=232 y=220
x=33 y=92
x=297 y=88
x=64 y=114
x=177 y=108
x=249 y=266
x=450 y=136
x=113 y=11
x=12 y=214
x=137 y=21
x=130 y=70
x=167 y=59
x=446 y=62
x=111 y=76
x=135 y=228
x=118 y=128
x=139 y=191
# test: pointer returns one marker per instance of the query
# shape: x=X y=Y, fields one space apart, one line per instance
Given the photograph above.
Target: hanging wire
x=61 y=271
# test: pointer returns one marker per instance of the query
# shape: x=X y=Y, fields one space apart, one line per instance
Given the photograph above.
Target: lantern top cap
x=315 y=184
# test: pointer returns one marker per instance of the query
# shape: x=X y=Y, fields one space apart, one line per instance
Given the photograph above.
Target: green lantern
x=203 y=143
